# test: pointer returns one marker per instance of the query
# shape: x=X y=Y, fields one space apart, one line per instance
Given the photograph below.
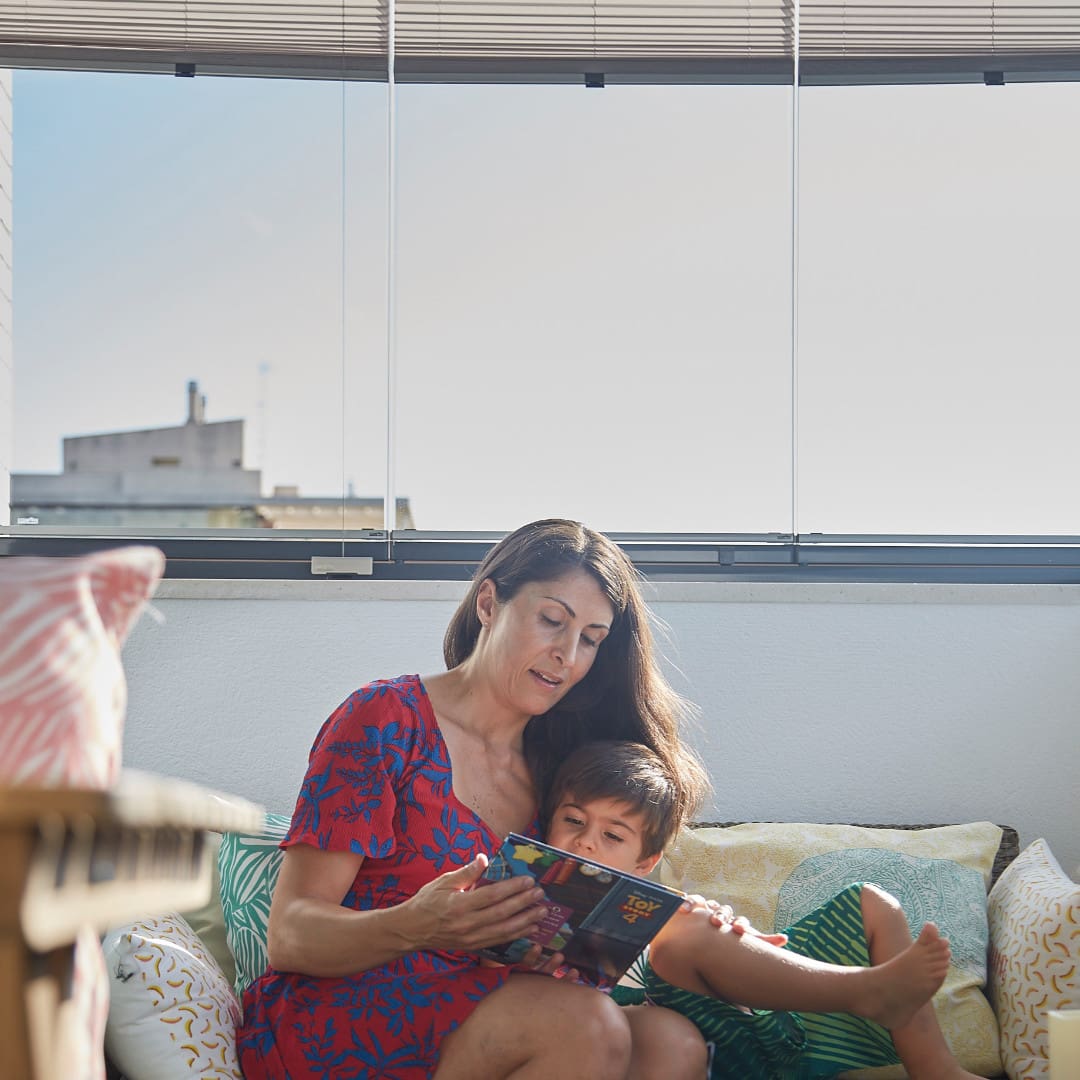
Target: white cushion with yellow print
x=1035 y=955
x=173 y=1014
x=775 y=873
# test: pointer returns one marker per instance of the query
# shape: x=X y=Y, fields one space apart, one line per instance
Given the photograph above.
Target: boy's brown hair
x=626 y=771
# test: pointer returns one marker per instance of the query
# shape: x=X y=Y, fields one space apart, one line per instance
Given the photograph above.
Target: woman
x=373 y=929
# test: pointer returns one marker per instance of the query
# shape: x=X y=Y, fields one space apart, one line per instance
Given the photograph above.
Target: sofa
x=1013 y=918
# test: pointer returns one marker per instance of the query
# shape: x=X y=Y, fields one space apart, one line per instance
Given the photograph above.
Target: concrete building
x=188 y=476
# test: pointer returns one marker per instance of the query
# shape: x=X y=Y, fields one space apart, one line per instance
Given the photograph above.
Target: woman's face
x=542 y=641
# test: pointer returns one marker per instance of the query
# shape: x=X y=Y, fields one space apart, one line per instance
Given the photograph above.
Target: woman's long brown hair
x=625 y=695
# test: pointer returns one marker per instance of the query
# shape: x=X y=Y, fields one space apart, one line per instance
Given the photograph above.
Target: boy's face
x=605 y=830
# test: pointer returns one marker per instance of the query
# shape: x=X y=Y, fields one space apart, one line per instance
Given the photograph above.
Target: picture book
x=598 y=918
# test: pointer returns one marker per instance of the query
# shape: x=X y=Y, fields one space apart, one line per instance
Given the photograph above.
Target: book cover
x=598 y=918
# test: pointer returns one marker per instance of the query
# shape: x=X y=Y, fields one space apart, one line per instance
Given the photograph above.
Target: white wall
x=879 y=704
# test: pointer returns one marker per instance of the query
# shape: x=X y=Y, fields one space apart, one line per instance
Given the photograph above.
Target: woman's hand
x=448 y=913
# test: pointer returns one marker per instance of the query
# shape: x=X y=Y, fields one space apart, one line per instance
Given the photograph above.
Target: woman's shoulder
x=400 y=686
x=403 y=697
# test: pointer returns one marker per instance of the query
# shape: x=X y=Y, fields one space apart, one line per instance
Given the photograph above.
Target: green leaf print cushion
x=249 y=867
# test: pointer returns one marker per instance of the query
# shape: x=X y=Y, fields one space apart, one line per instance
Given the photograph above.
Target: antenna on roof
x=261 y=413
x=196 y=404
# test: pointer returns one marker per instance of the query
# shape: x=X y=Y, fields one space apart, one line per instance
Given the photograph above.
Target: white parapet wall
x=867 y=703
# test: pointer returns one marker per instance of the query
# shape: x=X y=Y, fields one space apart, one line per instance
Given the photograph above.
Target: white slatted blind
x=650 y=39
x=594 y=28
x=939 y=40
x=259 y=37
x=917 y=28
x=557 y=40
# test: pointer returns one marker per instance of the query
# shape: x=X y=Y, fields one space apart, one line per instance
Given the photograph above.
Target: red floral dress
x=378 y=784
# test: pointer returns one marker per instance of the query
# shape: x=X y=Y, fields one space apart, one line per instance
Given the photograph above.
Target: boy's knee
x=663 y=953
x=876 y=895
x=682 y=941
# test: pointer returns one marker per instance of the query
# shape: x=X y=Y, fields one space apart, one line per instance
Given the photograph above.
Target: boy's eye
x=570 y=820
x=615 y=837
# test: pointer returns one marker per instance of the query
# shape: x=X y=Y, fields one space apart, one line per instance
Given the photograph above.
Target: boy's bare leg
x=919 y=1042
x=665 y=1045
x=693 y=953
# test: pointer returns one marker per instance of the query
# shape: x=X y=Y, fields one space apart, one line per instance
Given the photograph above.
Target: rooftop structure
x=188 y=476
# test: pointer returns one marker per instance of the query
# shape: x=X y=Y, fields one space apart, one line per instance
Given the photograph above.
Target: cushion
x=62 y=688
x=776 y=873
x=1034 y=912
x=208 y=922
x=173 y=1014
x=249 y=867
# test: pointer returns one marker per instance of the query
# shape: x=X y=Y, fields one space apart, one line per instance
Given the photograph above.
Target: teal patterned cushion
x=249 y=868
x=774 y=873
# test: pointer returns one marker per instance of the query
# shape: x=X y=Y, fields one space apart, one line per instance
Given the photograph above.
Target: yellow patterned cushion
x=776 y=873
x=173 y=1014
x=1035 y=955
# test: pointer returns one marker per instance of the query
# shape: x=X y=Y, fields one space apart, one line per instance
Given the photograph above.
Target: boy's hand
x=723 y=917
x=741 y=926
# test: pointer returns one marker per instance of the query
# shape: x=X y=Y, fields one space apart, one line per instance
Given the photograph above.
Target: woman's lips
x=549 y=681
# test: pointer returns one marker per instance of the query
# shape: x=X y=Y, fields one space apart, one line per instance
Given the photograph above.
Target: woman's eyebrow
x=573 y=614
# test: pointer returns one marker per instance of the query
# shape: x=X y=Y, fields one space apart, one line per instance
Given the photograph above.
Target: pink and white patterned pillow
x=62 y=689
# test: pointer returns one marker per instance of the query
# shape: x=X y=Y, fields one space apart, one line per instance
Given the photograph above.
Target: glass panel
x=938 y=235
x=594 y=306
x=7 y=370
x=179 y=323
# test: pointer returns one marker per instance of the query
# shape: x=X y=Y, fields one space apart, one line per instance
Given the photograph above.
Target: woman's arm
x=310 y=932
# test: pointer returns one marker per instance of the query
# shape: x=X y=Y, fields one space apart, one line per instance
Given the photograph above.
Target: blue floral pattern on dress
x=379 y=784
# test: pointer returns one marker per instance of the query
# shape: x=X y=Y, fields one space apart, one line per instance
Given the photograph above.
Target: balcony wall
x=894 y=703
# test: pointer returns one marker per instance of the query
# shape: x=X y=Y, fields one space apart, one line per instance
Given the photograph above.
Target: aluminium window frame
x=413 y=555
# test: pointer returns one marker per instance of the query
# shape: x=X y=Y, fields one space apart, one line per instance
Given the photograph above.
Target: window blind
x=651 y=40
x=947 y=40
x=346 y=38
x=557 y=40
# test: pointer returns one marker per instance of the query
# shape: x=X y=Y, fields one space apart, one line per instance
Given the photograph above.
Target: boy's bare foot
x=908 y=981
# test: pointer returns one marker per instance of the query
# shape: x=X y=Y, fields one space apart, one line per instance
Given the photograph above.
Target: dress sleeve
x=347 y=800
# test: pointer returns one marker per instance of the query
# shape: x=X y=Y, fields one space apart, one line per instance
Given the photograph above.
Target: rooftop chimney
x=196 y=404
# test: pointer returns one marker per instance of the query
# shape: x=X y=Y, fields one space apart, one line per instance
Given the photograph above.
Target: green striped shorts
x=766 y=1045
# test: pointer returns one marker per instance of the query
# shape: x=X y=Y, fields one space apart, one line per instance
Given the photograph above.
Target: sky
x=592 y=295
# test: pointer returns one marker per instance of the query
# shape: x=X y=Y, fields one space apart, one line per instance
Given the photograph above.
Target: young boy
x=841 y=976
